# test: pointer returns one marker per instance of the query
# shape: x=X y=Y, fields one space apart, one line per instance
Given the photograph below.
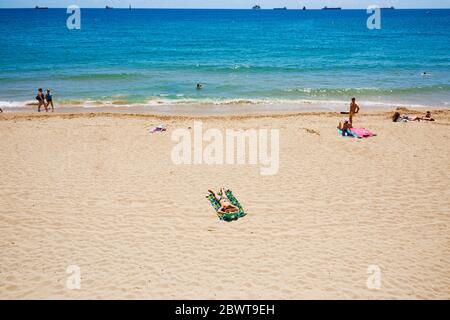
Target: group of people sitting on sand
x=44 y=100
x=346 y=125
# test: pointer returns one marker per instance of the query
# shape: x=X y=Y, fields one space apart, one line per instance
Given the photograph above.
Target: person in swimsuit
x=428 y=117
x=225 y=204
x=41 y=100
x=397 y=117
x=345 y=127
x=354 y=108
x=49 y=99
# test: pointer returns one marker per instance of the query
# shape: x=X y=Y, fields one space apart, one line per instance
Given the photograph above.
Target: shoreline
x=168 y=116
x=221 y=106
x=214 y=110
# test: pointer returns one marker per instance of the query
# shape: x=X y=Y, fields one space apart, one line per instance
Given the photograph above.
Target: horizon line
x=200 y=8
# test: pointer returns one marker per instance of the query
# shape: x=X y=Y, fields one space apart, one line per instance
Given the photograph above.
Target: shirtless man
x=354 y=108
x=225 y=204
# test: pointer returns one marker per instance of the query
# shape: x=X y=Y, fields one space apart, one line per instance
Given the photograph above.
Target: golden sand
x=100 y=192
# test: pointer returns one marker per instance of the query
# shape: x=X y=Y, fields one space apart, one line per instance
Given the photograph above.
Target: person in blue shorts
x=345 y=127
x=49 y=99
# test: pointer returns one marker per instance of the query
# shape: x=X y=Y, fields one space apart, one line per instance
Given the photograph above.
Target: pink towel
x=362 y=132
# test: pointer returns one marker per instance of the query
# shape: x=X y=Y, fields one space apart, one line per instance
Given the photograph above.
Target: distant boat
x=304 y=8
x=284 y=8
x=108 y=7
x=41 y=8
x=256 y=7
x=335 y=8
x=388 y=8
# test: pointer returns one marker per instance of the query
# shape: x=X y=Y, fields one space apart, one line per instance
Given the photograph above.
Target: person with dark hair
x=41 y=100
x=428 y=117
x=354 y=108
x=49 y=99
x=1 y=111
x=397 y=117
x=345 y=127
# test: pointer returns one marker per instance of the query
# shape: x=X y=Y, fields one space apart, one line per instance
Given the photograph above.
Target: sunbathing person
x=345 y=127
x=225 y=203
x=397 y=117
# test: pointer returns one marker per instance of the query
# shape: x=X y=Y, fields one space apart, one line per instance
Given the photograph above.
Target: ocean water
x=156 y=57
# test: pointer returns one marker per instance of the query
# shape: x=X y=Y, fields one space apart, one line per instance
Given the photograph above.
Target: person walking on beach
x=41 y=100
x=49 y=99
x=354 y=108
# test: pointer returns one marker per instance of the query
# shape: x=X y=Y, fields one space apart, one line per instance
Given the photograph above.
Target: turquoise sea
x=156 y=57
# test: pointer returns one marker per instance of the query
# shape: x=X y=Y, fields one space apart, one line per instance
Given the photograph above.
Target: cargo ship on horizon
x=331 y=8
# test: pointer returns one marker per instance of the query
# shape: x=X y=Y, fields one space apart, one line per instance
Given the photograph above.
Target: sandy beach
x=98 y=191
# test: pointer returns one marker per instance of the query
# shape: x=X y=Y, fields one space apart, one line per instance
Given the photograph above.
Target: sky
x=245 y=4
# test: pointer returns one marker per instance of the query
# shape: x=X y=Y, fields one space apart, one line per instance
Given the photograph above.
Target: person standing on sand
x=1 y=111
x=49 y=99
x=354 y=108
x=41 y=100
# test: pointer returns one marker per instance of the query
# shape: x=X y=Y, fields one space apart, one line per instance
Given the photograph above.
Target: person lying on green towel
x=225 y=203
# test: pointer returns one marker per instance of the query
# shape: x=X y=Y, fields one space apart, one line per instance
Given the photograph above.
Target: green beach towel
x=227 y=216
